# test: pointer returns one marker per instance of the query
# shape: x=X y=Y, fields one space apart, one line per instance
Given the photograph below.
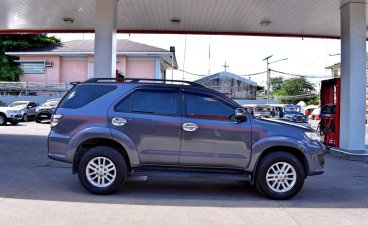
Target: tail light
x=55 y=119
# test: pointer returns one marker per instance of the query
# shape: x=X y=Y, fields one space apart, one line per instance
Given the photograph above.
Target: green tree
x=293 y=87
x=9 y=71
x=298 y=86
x=276 y=83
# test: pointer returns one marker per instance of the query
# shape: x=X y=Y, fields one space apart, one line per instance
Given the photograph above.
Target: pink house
x=73 y=61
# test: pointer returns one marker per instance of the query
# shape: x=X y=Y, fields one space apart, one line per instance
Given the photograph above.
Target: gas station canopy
x=312 y=18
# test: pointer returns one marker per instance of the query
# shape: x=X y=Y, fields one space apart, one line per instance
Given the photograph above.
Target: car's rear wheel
x=102 y=170
x=279 y=175
x=2 y=119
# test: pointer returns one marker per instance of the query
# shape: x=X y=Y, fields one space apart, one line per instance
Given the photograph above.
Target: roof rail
x=136 y=80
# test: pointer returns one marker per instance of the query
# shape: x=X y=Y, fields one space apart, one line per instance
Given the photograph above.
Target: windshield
x=18 y=104
x=291 y=109
x=262 y=109
x=51 y=103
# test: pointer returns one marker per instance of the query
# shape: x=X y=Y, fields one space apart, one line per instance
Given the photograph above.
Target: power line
x=195 y=74
x=299 y=75
x=253 y=74
x=201 y=75
x=297 y=96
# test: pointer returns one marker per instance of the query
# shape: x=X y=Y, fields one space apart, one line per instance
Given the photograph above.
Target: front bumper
x=317 y=158
x=14 y=117
x=43 y=115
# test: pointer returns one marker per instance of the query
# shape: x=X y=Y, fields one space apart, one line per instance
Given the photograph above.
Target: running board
x=190 y=175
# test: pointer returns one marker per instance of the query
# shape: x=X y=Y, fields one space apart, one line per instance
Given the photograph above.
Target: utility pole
x=268 y=78
x=268 y=75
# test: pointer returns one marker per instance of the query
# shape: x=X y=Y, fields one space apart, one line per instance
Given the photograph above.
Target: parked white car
x=27 y=108
x=11 y=115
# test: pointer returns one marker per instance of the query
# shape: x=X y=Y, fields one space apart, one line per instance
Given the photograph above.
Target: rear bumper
x=59 y=149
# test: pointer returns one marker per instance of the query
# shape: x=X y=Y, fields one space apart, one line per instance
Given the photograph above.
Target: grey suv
x=111 y=130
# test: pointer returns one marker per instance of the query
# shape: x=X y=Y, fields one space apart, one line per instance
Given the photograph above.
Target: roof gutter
x=31 y=60
x=88 y=53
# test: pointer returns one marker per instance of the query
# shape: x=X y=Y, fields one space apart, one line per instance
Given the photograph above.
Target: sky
x=243 y=54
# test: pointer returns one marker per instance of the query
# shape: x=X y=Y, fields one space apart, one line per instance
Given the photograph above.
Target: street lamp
x=268 y=74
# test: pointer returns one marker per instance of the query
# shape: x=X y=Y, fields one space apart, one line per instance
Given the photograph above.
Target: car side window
x=157 y=102
x=207 y=107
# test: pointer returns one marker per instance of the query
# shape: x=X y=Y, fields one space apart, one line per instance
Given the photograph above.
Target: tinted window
x=207 y=107
x=32 y=104
x=160 y=102
x=82 y=95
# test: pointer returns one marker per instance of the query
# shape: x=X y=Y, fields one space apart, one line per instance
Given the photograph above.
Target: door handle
x=190 y=127
x=118 y=121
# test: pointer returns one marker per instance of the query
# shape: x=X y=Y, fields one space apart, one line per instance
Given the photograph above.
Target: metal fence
x=25 y=88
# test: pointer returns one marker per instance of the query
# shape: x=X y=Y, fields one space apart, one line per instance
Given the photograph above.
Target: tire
x=37 y=120
x=25 y=117
x=279 y=186
x=14 y=122
x=2 y=119
x=94 y=182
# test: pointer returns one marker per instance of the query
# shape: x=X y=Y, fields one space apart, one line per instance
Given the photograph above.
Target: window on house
x=34 y=67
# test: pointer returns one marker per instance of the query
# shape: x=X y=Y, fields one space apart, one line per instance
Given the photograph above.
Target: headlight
x=314 y=136
x=37 y=109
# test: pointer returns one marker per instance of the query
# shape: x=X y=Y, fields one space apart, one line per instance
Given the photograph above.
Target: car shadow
x=27 y=173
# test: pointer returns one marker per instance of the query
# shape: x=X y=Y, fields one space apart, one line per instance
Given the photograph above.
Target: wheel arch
x=94 y=142
x=282 y=144
x=291 y=150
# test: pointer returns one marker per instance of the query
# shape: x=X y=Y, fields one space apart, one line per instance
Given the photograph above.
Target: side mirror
x=240 y=115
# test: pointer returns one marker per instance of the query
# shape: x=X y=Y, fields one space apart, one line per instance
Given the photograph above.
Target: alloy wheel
x=100 y=172
x=281 y=177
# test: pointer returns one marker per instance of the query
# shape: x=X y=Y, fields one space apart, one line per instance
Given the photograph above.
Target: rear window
x=82 y=95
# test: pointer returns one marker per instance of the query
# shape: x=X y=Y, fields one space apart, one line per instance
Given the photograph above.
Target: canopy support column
x=105 y=38
x=353 y=80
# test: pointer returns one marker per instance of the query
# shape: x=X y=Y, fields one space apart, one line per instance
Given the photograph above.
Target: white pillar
x=353 y=77
x=105 y=38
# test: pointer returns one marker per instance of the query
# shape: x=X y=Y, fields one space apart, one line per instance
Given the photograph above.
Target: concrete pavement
x=36 y=190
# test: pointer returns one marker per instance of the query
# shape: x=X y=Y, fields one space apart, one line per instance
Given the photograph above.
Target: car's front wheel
x=102 y=170
x=25 y=117
x=280 y=175
x=37 y=119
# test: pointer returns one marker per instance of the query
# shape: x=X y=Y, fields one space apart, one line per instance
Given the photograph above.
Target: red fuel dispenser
x=329 y=126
